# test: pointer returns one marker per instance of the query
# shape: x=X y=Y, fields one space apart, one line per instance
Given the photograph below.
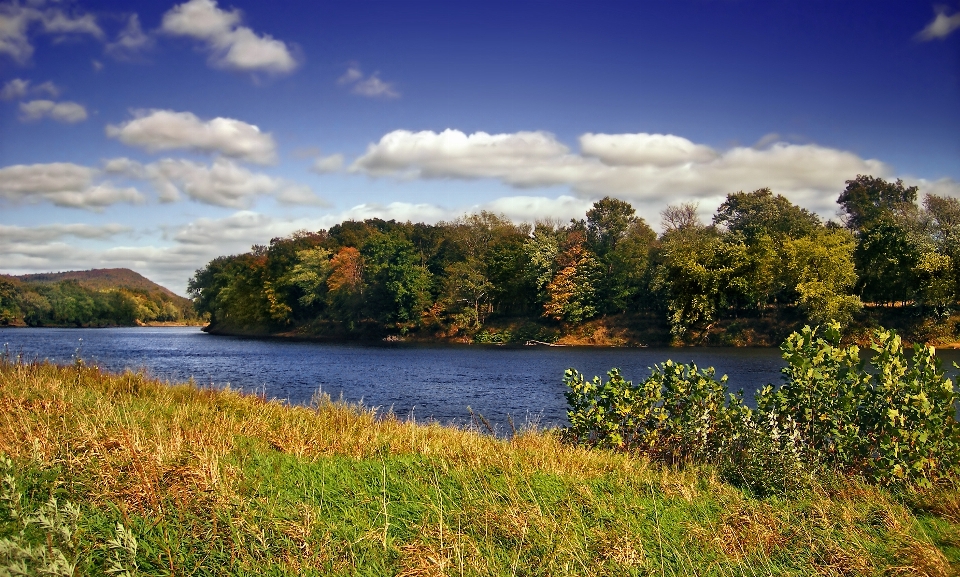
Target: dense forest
x=100 y=297
x=761 y=257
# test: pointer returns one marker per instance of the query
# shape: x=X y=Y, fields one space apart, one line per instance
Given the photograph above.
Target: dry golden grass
x=459 y=502
x=177 y=439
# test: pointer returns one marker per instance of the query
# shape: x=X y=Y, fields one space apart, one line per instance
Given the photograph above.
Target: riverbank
x=151 y=324
x=767 y=329
x=197 y=323
x=218 y=482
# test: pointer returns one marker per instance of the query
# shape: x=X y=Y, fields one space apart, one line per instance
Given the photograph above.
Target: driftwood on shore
x=532 y=343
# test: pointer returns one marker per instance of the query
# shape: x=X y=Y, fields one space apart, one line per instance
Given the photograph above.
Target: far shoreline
x=73 y=326
x=566 y=341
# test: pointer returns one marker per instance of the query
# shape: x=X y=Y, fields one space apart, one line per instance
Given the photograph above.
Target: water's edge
x=426 y=381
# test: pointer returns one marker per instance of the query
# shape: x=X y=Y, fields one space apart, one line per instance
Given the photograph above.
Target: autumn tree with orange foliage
x=345 y=283
x=572 y=292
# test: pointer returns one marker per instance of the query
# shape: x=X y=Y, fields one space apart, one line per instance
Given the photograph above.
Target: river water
x=427 y=382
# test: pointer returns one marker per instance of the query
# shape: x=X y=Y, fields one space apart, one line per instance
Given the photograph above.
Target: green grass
x=214 y=483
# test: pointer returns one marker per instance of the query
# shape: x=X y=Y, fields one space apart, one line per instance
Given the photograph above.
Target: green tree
x=626 y=269
x=10 y=294
x=467 y=292
x=607 y=224
x=760 y=212
x=701 y=273
x=621 y=242
x=310 y=274
x=889 y=228
x=935 y=282
x=205 y=286
x=886 y=258
x=36 y=308
x=820 y=267
x=512 y=289
x=239 y=298
x=943 y=214
x=71 y=304
x=398 y=285
x=541 y=251
x=123 y=308
x=867 y=200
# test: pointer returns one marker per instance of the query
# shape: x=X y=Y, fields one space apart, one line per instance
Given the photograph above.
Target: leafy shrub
x=488 y=337
x=682 y=414
x=824 y=386
x=895 y=423
x=764 y=456
x=679 y=414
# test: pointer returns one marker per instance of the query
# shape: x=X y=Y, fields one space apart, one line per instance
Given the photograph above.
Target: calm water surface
x=427 y=381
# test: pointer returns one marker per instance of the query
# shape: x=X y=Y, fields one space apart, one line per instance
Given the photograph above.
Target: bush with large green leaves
x=892 y=423
x=680 y=413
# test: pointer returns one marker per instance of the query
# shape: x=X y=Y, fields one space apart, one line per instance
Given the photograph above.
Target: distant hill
x=90 y=298
x=101 y=279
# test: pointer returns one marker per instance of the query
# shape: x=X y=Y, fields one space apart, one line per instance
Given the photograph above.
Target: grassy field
x=215 y=482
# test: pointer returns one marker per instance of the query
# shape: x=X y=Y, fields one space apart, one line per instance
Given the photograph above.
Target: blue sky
x=159 y=138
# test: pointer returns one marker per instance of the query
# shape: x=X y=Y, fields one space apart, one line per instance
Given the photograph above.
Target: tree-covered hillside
x=99 y=297
x=761 y=256
x=102 y=279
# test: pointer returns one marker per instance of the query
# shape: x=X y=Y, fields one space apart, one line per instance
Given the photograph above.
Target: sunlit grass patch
x=217 y=482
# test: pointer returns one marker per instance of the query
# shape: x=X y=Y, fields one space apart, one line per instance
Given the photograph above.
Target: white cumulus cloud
x=327 y=164
x=290 y=193
x=14 y=89
x=644 y=149
x=131 y=41
x=98 y=196
x=371 y=86
x=18 y=22
x=453 y=154
x=939 y=187
x=124 y=167
x=649 y=169
x=352 y=74
x=223 y=183
x=157 y=130
x=231 y=45
x=941 y=26
x=63 y=184
x=533 y=208
x=19 y=88
x=24 y=179
x=68 y=112
x=400 y=211
x=239 y=230
x=50 y=232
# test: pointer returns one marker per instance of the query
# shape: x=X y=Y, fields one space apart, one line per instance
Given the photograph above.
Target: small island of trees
x=763 y=267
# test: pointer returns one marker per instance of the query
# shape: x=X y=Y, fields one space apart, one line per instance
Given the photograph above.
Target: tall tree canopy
x=761 y=212
x=760 y=254
x=867 y=200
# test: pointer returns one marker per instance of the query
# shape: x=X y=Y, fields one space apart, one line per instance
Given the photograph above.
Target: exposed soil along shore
x=627 y=330
x=216 y=482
